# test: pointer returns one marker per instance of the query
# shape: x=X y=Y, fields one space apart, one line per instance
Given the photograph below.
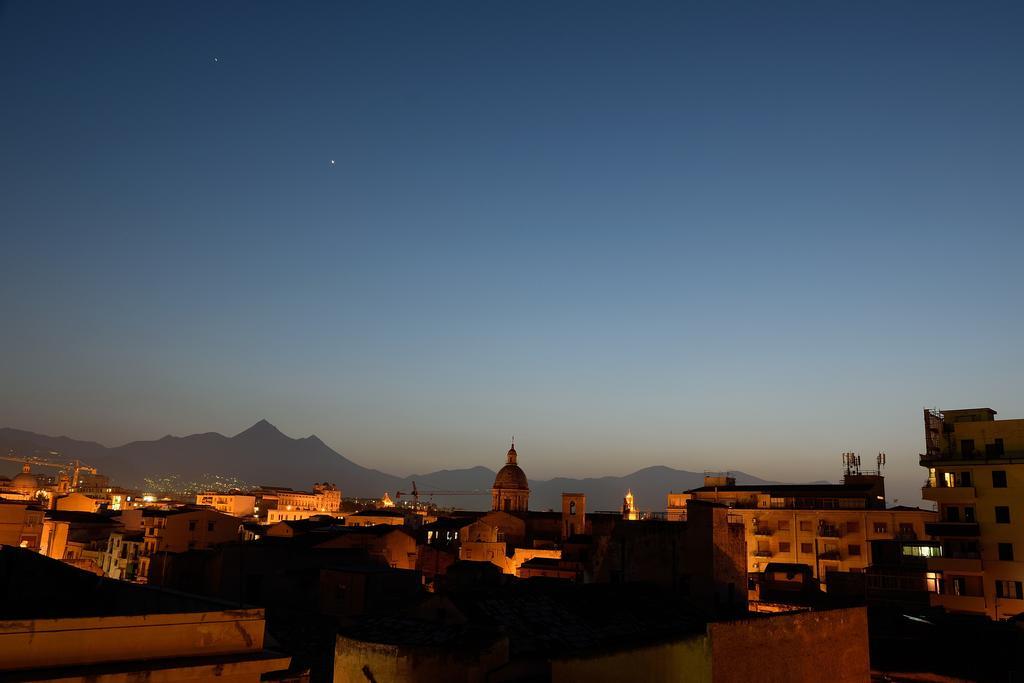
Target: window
x=1002 y=514
x=999 y=479
x=967 y=447
x=969 y=513
x=906 y=528
x=783 y=525
x=1006 y=552
x=192 y=525
x=805 y=525
x=209 y=526
x=881 y=527
x=572 y=507
x=952 y=514
x=806 y=548
x=853 y=550
x=852 y=527
x=1009 y=589
x=964 y=478
x=783 y=547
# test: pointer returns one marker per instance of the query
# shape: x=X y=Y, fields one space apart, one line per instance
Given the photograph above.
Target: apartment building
x=975 y=469
x=289 y=504
x=234 y=504
x=120 y=558
x=827 y=527
x=183 y=529
x=21 y=523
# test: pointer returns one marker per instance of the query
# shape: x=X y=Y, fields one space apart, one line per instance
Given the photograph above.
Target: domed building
x=511 y=491
x=25 y=483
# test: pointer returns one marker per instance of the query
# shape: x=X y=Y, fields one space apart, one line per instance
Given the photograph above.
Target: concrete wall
x=92 y=640
x=356 y=660
x=685 y=660
x=829 y=646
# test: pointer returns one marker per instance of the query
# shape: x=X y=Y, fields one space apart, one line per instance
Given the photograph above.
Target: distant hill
x=264 y=455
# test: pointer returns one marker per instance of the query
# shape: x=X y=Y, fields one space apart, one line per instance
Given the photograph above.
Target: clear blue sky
x=707 y=235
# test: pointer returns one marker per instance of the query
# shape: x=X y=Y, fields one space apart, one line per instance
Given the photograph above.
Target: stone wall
x=830 y=645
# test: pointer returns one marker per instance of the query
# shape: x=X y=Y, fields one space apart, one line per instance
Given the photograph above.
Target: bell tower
x=574 y=514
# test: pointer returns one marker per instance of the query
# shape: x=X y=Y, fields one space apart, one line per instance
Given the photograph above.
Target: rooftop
x=378 y=513
x=792 y=489
x=33 y=586
x=552 y=618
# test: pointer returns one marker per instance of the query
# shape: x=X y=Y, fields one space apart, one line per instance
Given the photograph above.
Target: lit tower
x=628 y=507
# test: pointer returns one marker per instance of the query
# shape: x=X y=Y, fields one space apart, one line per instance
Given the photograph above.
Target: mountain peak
x=263 y=428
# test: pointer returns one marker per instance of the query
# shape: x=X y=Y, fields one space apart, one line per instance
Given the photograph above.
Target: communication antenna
x=881 y=462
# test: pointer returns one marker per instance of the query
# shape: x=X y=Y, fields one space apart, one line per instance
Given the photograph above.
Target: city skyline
x=727 y=238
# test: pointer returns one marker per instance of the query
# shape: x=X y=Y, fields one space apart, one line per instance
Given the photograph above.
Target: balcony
x=956 y=565
x=762 y=531
x=960 y=603
x=962 y=529
x=762 y=553
x=948 y=494
x=826 y=531
x=829 y=555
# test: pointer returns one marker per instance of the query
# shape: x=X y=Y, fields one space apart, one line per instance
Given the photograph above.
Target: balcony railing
x=966 y=529
x=762 y=531
x=829 y=555
x=762 y=553
x=829 y=531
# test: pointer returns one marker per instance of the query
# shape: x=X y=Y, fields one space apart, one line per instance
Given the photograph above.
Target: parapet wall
x=831 y=645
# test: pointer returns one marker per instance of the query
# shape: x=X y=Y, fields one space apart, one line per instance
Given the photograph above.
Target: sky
x=711 y=235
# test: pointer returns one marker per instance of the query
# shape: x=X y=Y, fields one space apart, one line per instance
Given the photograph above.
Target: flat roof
x=835 y=489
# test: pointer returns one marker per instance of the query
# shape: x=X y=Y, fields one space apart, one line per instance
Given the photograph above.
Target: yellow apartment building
x=828 y=527
x=21 y=524
x=183 y=529
x=234 y=504
x=975 y=469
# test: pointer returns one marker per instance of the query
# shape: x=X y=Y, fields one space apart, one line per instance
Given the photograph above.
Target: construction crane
x=73 y=468
x=416 y=493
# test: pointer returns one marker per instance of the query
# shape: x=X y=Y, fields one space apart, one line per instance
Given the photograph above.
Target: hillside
x=263 y=455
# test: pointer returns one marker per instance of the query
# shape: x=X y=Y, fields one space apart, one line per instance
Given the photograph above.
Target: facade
x=78 y=502
x=976 y=477
x=273 y=516
x=828 y=527
x=77 y=538
x=899 y=576
x=391 y=545
x=177 y=531
x=21 y=524
x=511 y=491
x=324 y=499
x=235 y=504
x=121 y=558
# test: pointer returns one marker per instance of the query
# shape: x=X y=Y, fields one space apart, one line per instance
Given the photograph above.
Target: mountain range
x=262 y=455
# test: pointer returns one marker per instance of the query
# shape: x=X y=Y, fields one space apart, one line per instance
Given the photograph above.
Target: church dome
x=26 y=481
x=511 y=476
